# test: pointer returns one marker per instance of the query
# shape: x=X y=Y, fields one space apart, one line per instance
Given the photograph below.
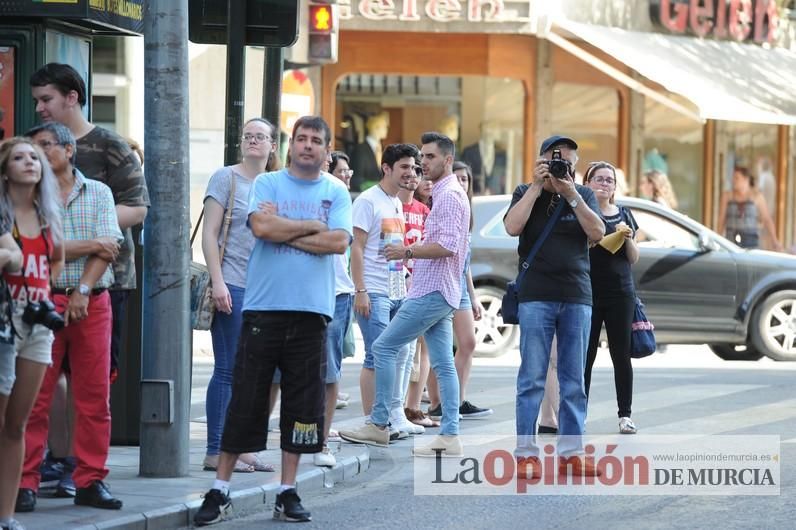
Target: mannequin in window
x=488 y=161
x=366 y=157
x=449 y=126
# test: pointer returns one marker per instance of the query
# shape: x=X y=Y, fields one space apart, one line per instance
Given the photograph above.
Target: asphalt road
x=686 y=391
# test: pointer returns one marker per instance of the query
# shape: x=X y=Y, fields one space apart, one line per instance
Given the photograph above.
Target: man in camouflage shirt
x=60 y=95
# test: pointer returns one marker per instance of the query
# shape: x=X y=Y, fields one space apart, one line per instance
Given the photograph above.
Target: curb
x=181 y=515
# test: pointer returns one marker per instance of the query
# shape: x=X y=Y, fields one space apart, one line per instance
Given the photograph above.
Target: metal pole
x=272 y=84
x=236 y=59
x=166 y=362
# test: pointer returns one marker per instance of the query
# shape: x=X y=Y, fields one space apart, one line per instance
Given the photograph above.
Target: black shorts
x=294 y=342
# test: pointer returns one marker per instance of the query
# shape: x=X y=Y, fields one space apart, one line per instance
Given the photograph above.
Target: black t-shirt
x=560 y=270
x=610 y=273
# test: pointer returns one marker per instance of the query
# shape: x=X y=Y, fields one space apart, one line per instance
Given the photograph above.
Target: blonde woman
x=655 y=186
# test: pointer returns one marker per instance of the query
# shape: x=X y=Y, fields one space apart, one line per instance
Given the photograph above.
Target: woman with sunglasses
x=29 y=207
x=614 y=296
x=228 y=276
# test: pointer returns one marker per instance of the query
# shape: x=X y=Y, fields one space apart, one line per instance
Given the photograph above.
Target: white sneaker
x=626 y=426
x=343 y=396
x=324 y=459
x=397 y=434
x=399 y=421
x=446 y=445
x=341 y=404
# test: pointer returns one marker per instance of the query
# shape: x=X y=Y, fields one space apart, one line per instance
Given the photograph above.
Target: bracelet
x=361 y=291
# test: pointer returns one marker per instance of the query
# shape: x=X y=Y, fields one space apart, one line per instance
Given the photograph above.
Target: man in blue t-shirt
x=301 y=218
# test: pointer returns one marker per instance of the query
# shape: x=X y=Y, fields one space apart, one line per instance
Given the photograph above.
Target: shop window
x=754 y=147
x=589 y=115
x=6 y=92
x=104 y=111
x=673 y=146
x=108 y=55
x=482 y=115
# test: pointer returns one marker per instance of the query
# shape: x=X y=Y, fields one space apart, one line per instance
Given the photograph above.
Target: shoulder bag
x=510 y=306
x=202 y=306
x=642 y=338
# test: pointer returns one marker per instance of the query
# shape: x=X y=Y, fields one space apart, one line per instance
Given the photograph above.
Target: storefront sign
x=437 y=11
x=107 y=16
x=740 y=20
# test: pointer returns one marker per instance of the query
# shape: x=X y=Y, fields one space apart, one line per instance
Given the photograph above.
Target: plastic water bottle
x=396 y=282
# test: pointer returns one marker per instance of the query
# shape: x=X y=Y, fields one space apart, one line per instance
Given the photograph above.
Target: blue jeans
x=225 y=332
x=430 y=316
x=335 y=337
x=539 y=321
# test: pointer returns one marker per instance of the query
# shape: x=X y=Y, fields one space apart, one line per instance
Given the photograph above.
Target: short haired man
x=301 y=217
x=60 y=95
x=555 y=298
x=380 y=283
x=433 y=296
x=91 y=239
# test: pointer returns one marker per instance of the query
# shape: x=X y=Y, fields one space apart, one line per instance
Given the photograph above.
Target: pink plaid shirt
x=446 y=225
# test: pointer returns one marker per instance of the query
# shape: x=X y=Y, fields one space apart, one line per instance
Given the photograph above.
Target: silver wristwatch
x=574 y=202
x=84 y=289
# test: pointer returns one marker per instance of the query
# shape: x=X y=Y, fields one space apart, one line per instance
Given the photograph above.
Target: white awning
x=724 y=80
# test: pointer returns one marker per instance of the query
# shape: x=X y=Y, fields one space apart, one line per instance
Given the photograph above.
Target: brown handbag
x=202 y=306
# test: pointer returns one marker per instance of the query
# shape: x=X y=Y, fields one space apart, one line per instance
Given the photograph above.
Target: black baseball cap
x=554 y=140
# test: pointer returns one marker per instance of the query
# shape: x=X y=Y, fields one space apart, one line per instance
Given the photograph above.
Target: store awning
x=724 y=80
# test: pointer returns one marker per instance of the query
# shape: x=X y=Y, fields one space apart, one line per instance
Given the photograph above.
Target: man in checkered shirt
x=434 y=295
x=91 y=238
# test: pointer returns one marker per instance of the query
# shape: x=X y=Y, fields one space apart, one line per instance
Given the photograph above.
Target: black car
x=697 y=286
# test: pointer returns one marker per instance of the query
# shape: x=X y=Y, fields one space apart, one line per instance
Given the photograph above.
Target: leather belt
x=68 y=291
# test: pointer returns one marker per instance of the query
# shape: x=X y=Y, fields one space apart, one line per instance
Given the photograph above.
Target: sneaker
x=468 y=411
x=435 y=413
x=66 y=486
x=397 y=434
x=399 y=421
x=51 y=471
x=324 y=459
x=626 y=426
x=343 y=396
x=450 y=447
x=213 y=508
x=368 y=434
x=288 y=508
x=341 y=404
x=425 y=397
x=13 y=524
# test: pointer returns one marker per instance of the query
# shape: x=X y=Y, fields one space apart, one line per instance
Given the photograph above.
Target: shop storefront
x=642 y=85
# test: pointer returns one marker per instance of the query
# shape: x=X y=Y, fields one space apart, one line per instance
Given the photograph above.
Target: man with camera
x=91 y=239
x=554 y=297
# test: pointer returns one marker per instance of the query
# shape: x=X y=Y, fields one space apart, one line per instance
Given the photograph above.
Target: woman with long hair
x=464 y=317
x=742 y=210
x=655 y=186
x=228 y=276
x=613 y=292
x=29 y=206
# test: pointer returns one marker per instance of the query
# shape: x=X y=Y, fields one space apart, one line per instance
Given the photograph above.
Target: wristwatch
x=84 y=289
x=409 y=253
x=574 y=202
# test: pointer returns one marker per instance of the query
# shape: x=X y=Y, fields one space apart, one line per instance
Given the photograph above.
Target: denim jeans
x=570 y=323
x=335 y=337
x=430 y=316
x=225 y=332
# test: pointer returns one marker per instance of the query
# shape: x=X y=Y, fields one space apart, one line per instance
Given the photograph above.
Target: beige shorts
x=35 y=344
x=414 y=376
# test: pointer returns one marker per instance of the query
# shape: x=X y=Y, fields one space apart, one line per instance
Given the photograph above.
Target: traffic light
x=318 y=29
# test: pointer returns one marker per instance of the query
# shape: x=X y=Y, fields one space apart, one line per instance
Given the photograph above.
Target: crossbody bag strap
x=198 y=223
x=228 y=217
x=540 y=240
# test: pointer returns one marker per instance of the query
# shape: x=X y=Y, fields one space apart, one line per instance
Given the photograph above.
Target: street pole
x=272 y=85
x=236 y=58
x=166 y=361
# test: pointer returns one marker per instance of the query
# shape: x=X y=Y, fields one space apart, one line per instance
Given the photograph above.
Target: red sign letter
x=676 y=24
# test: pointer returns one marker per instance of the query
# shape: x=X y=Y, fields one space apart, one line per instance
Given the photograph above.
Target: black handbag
x=510 y=306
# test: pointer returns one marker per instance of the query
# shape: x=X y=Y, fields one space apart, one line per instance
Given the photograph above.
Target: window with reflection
x=673 y=147
x=658 y=232
x=482 y=115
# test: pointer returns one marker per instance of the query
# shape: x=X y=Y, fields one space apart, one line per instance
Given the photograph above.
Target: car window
x=656 y=231
x=494 y=227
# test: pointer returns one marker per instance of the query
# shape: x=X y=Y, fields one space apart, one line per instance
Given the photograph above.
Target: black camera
x=43 y=313
x=557 y=166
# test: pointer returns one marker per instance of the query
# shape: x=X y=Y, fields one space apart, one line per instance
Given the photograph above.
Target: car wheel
x=773 y=326
x=493 y=338
x=735 y=352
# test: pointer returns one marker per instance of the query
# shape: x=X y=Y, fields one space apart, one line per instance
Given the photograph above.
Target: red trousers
x=87 y=343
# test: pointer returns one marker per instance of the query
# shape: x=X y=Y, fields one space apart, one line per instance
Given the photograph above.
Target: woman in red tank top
x=29 y=204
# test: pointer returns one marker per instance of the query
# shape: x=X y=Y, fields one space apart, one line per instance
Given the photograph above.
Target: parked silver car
x=697 y=286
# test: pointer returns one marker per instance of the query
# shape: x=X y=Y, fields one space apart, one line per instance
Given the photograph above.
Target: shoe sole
x=476 y=415
x=353 y=440
x=221 y=513
x=281 y=516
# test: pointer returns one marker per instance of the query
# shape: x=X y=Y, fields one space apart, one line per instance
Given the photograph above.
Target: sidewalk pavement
x=155 y=503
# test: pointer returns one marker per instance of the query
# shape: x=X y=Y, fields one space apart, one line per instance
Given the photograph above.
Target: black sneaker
x=435 y=413
x=467 y=411
x=288 y=508
x=26 y=500
x=213 y=508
